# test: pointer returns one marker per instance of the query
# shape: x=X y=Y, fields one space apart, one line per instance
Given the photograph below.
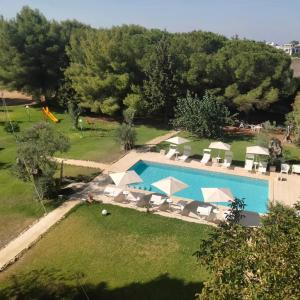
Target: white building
x=289 y=48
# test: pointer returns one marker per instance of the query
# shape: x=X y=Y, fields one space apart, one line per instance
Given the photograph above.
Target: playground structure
x=49 y=114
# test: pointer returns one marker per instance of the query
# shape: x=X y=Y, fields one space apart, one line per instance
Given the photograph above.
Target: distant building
x=288 y=48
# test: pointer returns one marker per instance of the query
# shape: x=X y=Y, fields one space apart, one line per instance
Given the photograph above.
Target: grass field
x=18 y=208
x=126 y=255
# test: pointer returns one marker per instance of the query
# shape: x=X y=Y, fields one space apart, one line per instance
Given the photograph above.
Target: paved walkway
x=13 y=250
x=82 y=163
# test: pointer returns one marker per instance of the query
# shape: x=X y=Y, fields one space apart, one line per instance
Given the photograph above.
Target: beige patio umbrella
x=177 y=140
x=257 y=150
x=122 y=179
x=170 y=185
x=216 y=195
x=219 y=146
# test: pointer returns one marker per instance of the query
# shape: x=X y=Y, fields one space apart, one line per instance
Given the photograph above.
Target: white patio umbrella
x=216 y=195
x=177 y=140
x=258 y=150
x=170 y=185
x=219 y=146
x=122 y=179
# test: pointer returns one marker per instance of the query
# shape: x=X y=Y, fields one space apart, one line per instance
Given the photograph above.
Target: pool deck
x=286 y=191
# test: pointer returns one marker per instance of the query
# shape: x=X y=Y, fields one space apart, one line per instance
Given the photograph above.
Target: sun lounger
x=206 y=156
x=285 y=168
x=180 y=205
x=157 y=200
x=171 y=153
x=135 y=196
x=204 y=211
x=249 y=162
x=223 y=215
x=116 y=193
x=112 y=191
x=227 y=159
x=262 y=167
x=186 y=153
x=296 y=169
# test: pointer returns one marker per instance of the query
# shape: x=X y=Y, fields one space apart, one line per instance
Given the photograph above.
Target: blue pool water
x=253 y=191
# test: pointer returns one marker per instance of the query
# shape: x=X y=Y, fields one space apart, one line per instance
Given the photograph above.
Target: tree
x=68 y=98
x=293 y=118
x=32 y=53
x=254 y=263
x=104 y=68
x=160 y=86
x=204 y=117
x=35 y=148
x=126 y=136
x=250 y=75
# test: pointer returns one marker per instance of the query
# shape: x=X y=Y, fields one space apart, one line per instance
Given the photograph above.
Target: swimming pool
x=254 y=191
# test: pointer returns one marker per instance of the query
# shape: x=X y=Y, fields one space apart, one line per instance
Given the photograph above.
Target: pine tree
x=160 y=87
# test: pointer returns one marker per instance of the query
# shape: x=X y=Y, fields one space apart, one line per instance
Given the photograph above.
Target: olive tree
x=35 y=149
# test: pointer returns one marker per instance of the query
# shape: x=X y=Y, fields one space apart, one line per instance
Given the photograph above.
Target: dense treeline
x=109 y=70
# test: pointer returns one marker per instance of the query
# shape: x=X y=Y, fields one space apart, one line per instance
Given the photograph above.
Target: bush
x=11 y=127
x=204 y=117
x=126 y=136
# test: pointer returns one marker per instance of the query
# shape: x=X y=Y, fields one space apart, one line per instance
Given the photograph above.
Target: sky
x=264 y=20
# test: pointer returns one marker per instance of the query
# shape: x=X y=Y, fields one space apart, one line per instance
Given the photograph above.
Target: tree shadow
x=83 y=177
x=5 y=165
x=18 y=101
x=4 y=110
x=229 y=138
x=54 y=284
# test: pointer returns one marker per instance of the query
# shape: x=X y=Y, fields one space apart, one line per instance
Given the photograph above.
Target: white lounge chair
x=204 y=211
x=227 y=159
x=262 y=167
x=249 y=162
x=285 y=168
x=112 y=191
x=223 y=215
x=296 y=169
x=186 y=153
x=157 y=200
x=116 y=193
x=206 y=156
x=135 y=196
x=172 y=151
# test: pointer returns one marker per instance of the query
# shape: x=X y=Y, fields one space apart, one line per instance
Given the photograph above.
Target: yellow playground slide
x=48 y=113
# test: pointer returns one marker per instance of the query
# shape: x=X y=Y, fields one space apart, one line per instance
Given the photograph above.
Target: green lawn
x=18 y=208
x=126 y=255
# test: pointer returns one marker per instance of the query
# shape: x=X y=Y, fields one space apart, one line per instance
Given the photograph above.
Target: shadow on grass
x=4 y=165
x=53 y=284
x=229 y=138
x=83 y=178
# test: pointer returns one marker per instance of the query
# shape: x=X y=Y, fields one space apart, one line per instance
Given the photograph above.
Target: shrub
x=126 y=136
x=204 y=117
x=11 y=127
